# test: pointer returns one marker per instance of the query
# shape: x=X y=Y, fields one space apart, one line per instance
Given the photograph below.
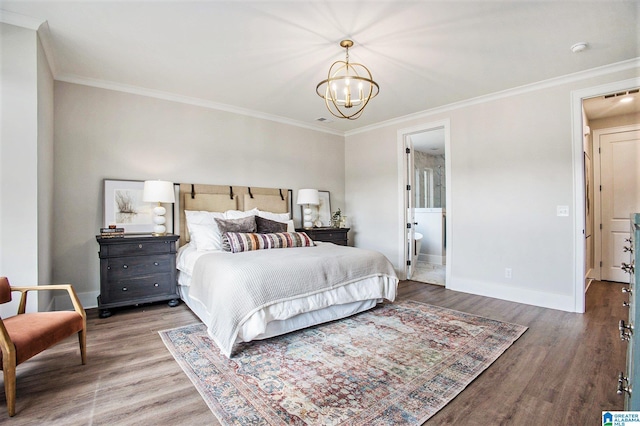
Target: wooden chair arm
x=77 y=306
x=7 y=348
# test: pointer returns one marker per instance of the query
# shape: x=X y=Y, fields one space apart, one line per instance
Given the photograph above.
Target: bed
x=246 y=273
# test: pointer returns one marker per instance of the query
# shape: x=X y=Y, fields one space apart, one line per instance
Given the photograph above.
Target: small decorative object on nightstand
x=336 y=219
x=137 y=269
x=330 y=235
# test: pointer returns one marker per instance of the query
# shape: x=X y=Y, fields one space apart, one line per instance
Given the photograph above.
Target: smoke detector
x=579 y=47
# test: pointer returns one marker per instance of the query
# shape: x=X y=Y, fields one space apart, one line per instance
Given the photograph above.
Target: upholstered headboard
x=220 y=198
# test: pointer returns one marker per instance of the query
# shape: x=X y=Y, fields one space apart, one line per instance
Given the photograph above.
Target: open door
x=409 y=202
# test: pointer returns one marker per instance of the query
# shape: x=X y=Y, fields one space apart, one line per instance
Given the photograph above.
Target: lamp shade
x=308 y=196
x=158 y=191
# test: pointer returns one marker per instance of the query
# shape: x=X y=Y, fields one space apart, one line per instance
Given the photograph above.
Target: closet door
x=620 y=197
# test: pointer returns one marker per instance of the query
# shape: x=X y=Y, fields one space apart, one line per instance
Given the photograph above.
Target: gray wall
x=103 y=134
x=511 y=165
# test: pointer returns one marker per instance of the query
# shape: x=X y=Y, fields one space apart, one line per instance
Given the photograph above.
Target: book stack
x=111 y=232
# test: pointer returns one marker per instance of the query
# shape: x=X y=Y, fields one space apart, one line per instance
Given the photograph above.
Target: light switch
x=563 y=210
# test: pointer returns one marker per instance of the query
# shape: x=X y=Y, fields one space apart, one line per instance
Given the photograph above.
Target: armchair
x=27 y=334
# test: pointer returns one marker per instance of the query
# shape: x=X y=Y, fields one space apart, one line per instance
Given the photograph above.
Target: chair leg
x=9 y=371
x=82 y=338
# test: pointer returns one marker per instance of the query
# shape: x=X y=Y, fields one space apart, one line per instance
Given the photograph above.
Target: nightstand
x=136 y=269
x=329 y=235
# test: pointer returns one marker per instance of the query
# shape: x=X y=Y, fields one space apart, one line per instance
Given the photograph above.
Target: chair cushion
x=34 y=332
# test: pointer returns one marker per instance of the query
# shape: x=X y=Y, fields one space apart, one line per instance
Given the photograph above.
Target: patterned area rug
x=395 y=364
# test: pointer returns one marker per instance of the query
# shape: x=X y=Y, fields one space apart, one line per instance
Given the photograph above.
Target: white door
x=620 y=196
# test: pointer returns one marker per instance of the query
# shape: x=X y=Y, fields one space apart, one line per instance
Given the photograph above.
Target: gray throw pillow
x=267 y=226
x=245 y=224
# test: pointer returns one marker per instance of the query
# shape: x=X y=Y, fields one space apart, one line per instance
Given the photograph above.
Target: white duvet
x=255 y=287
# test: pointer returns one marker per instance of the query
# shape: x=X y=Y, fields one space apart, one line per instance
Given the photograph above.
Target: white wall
x=107 y=134
x=19 y=159
x=45 y=179
x=511 y=165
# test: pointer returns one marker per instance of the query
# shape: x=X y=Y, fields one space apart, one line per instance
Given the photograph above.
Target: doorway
x=593 y=108
x=427 y=218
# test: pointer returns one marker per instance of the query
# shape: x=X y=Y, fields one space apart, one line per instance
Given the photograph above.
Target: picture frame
x=124 y=208
x=324 y=208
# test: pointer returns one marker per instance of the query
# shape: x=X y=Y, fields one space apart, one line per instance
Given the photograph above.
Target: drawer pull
x=622 y=381
x=140 y=246
x=624 y=336
x=156 y=263
x=124 y=289
x=156 y=285
x=125 y=266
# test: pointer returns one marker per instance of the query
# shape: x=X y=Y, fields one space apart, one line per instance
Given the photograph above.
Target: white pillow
x=278 y=217
x=203 y=230
x=239 y=214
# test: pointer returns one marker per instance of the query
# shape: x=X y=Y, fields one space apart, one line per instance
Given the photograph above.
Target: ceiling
x=265 y=58
x=430 y=141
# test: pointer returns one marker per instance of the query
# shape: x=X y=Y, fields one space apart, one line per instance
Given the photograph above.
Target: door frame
x=579 y=243
x=403 y=241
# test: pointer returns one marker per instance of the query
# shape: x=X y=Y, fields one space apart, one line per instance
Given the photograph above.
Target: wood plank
x=563 y=370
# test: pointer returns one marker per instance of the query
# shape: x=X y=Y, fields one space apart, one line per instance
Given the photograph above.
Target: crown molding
x=544 y=84
x=19 y=20
x=152 y=93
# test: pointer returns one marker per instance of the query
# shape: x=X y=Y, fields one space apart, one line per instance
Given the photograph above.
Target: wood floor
x=562 y=371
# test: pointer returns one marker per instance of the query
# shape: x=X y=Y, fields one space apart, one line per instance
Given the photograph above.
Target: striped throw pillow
x=246 y=241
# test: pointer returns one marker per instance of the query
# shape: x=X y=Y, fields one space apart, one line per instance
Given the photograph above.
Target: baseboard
x=88 y=300
x=588 y=281
x=513 y=294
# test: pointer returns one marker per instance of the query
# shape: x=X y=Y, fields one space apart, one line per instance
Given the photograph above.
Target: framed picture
x=324 y=208
x=124 y=208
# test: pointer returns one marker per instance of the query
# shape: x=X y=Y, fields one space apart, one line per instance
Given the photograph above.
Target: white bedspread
x=234 y=286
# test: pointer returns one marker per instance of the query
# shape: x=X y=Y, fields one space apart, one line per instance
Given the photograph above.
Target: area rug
x=397 y=364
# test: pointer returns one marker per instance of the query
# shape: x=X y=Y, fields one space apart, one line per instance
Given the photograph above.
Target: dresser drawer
x=130 y=267
x=329 y=235
x=149 y=286
x=136 y=248
x=332 y=237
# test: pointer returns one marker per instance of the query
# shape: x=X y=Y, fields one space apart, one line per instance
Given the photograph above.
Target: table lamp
x=158 y=191
x=308 y=197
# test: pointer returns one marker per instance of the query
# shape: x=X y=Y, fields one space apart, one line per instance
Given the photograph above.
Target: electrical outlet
x=507 y=272
x=562 y=210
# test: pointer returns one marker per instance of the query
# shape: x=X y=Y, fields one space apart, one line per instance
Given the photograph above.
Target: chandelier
x=348 y=88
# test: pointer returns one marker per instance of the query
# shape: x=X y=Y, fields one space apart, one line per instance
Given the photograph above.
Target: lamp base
x=159 y=220
x=159 y=231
